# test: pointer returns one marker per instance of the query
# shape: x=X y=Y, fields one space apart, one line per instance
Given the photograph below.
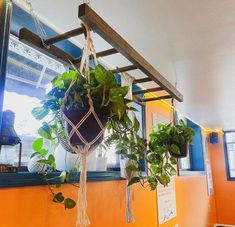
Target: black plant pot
x=89 y=128
x=183 y=151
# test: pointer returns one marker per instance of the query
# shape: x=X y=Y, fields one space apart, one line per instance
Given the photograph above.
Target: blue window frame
x=195 y=159
x=229 y=151
x=21 y=81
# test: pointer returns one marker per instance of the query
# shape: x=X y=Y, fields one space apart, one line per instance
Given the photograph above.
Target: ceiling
x=191 y=42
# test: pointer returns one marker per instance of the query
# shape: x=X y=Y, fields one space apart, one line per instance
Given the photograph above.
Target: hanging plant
x=166 y=144
x=109 y=103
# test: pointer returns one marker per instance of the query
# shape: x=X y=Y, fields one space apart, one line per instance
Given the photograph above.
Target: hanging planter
x=90 y=128
x=82 y=104
x=182 y=151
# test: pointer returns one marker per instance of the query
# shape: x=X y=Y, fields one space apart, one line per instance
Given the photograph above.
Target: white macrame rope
x=82 y=218
x=127 y=80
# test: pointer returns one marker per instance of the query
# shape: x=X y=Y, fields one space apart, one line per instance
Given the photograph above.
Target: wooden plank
x=98 y=55
x=143 y=80
x=124 y=69
x=147 y=91
x=157 y=98
x=35 y=41
x=106 y=53
x=66 y=35
x=97 y=24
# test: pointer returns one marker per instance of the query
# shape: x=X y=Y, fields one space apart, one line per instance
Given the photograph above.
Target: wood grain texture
x=97 y=24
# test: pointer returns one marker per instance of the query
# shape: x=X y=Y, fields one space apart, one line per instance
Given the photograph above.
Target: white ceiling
x=191 y=41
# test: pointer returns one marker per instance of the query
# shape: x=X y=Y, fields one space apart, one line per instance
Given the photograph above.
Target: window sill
x=21 y=179
x=191 y=173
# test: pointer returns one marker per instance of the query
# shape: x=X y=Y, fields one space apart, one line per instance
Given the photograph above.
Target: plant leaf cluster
x=49 y=160
x=163 y=141
x=106 y=94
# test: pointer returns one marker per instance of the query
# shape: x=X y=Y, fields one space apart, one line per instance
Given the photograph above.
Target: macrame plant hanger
x=82 y=218
x=127 y=80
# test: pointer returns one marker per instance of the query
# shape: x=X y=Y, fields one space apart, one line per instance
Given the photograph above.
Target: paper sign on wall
x=166 y=200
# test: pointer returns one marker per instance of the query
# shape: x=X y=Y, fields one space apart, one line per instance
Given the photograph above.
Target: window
x=113 y=159
x=195 y=159
x=229 y=140
x=28 y=74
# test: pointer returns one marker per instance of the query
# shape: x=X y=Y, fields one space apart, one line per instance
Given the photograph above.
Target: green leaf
x=34 y=154
x=40 y=112
x=136 y=124
x=133 y=181
x=175 y=149
x=51 y=158
x=63 y=176
x=152 y=182
x=58 y=185
x=173 y=160
x=118 y=92
x=43 y=152
x=37 y=144
x=45 y=131
x=132 y=156
x=104 y=77
x=69 y=203
x=119 y=108
x=121 y=152
x=58 y=198
x=132 y=167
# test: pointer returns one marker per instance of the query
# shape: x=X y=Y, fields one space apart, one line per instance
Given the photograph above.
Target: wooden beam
x=147 y=90
x=143 y=80
x=97 y=24
x=98 y=55
x=124 y=69
x=66 y=35
x=35 y=41
x=106 y=53
x=157 y=98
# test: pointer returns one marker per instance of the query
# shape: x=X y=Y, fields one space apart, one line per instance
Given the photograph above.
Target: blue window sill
x=191 y=173
x=22 y=179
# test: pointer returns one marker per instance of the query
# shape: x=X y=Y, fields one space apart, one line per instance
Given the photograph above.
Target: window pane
x=230 y=149
x=230 y=137
x=26 y=81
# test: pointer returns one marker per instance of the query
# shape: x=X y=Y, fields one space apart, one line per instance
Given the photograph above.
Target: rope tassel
x=129 y=206
x=82 y=217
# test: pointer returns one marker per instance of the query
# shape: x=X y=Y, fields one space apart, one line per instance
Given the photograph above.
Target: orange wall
x=224 y=189
x=32 y=206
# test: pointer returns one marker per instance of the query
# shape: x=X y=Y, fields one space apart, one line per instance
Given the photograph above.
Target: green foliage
x=49 y=160
x=164 y=140
x=68 y=203
x=106 y=94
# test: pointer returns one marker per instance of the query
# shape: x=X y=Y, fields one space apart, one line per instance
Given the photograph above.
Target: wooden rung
x=147 y=90
x=106 y=53
x=157 y=98
x=124 y=69
x=98 y=55
x=66 y=35
x=35 y=41
x=143 y=80
x=98 y=25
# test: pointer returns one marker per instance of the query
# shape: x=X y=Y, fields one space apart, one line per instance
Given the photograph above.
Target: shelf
x=100 y=27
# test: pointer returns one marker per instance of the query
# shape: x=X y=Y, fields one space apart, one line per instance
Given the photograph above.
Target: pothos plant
x=107 y=96
x=165 y=143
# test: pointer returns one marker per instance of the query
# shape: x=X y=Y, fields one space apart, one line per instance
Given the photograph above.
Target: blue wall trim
x=197 y=153
x=23 y=179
